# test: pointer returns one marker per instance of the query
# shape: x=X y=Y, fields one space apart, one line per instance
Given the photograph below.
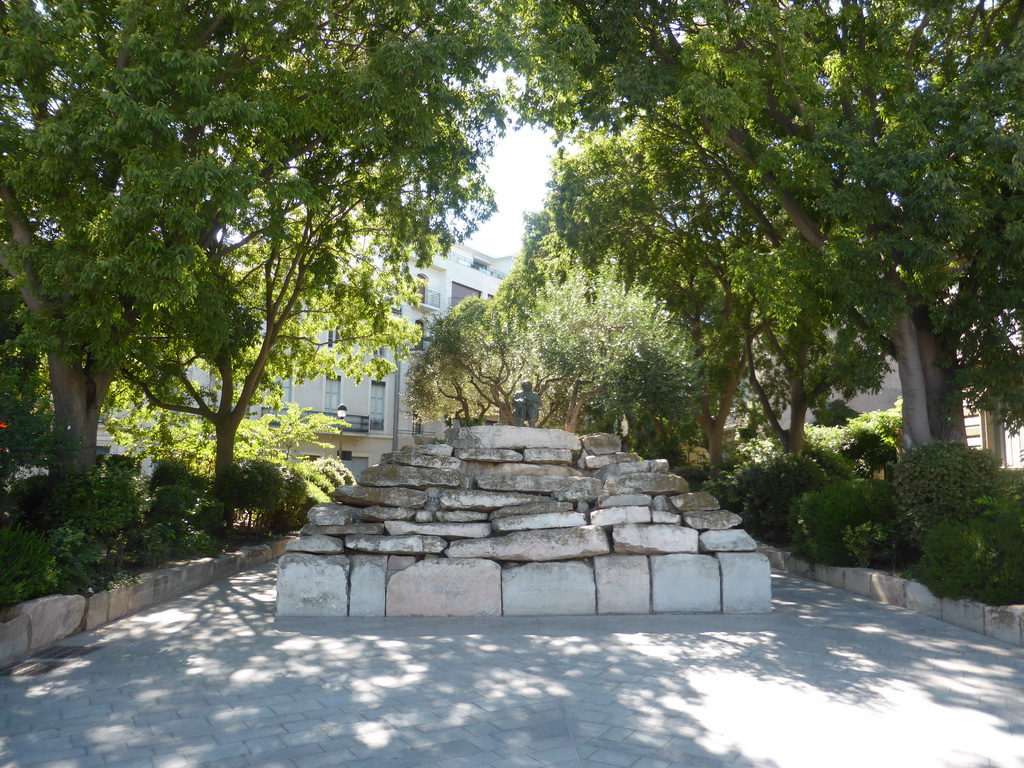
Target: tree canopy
x=173 y=176
x=887 y=134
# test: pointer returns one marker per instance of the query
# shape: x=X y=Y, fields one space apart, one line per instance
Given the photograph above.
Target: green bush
x=251 y=491
x=335 y=470
x=294 y=504
x=848 y=522
x=175 y=472
x=942 y=482
x=315 y=477
x=27 y=568
x=872 y=440
x=981 y=559
x=78 y=559
x=105 y=502
x=766 y=490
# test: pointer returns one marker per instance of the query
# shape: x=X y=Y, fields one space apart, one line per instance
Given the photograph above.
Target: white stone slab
x=539 y=522
x=889 y=589
x=491 y=455
x=450 y=516
x=967 y=614
x=316 y=544
x=532 y=508
x=430 y=449
x=364 y=496
x=547 y=455
x=733 y=540
x=366 y=585
x=483 y=501
x=397 y=545
x=518 y=438
x=1005 y=622
x=591 y=461
x=332 y=514
x=623 y=584
x=921 y=600
x=447 y=530
x=694 y=502
x=608 y=516
x=651 y=483
x=382 y=514
x=649 y=466
x=443 y=587
x=686 y=584
x=549 y=544
x=51 y=618
x=479 y=468
x=665 y=518
x=423 y=460
x=342 y=530
x=566 y=488
x=746 y=582
x=548 y=589
x=390 y=475
x=601 y=443
x=653 y=539
x=312 y=585
x=712 y=520
x=624 y=500
x=15 y=632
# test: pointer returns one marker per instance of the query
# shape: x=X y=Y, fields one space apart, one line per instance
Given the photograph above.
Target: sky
x=518 y=173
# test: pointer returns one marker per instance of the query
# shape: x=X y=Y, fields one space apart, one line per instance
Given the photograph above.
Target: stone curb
x=1004 y=623
x=33 y=625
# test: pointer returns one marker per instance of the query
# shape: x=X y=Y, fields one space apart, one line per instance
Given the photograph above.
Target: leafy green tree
x=154 y=157
x=888 y=133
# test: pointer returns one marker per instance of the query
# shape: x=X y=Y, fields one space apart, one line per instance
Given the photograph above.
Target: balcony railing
x=478 y=266
x=430 y=299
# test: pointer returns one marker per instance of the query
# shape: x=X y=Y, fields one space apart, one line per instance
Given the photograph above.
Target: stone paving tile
x=828 y=679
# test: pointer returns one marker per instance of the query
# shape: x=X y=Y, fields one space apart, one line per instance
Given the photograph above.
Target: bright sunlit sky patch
x=518 y=173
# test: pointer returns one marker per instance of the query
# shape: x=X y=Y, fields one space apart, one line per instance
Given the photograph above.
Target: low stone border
x=33 y=625
x=1004 y=623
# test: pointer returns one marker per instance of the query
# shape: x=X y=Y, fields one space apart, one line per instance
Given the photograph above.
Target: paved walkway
x=828 y=680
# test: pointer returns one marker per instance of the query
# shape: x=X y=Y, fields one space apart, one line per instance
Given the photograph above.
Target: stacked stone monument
x=520 y=521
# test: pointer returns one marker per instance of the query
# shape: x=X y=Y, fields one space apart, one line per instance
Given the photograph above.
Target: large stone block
x=367 y=585
x=538 y=522
x=547 y=455
x=746 y=582
x=51 y=618
x=483 y=501
x=967 y=614
x=532 y=508
x=97 y=611
x=921 y=600
x=364 y=496
x=517 y=438
x=422 y=460
x=445 y=587
x=625 y=500
x=430 y=449
x=549 y=544
x=478 y=468
x=665 y=517
x=548 y=589
x=889 y=589
x=601 y=444
x=650 y=466
x=608 y=516
x=733 y=540
x=450 y=516
x=651 y=483
x=382 y=514
x=566 y=488
x=590 y=461
x=446 y=530
x=686 y=584
x=858 y=581
x=700 y=501
x=317 y=544
x=312 y=585
x=332 y=514
x=15 y=636
x=390 y=475
x=1006 y=623
x=712 y=520
x=489 y=455
x=411 y=544
x=342 y=530
x=623 y=584
x=653 y=539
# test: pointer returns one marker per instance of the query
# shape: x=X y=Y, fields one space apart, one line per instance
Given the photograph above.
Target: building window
x=378 y=395
x=460 y=292
x=286 y=391
x=333 y=337
x=332 y=394
x=422 y=343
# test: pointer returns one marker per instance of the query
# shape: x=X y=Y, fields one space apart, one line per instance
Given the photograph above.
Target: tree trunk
x=794 y=436
x=931 y=410
x=225 y=429
x=78 y=394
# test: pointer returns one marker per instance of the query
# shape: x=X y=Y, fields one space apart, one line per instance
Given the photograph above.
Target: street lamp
x=342 y=413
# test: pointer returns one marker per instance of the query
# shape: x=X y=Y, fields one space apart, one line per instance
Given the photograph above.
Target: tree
x=155 y=156
x=655 y=210
x=887 y=132
x=590 y=348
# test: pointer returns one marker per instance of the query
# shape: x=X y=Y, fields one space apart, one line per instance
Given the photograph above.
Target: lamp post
x=342 y=413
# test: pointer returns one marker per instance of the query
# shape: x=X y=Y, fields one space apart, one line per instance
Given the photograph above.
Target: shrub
x=767 y=489
x=104 y=502
x=27 y=568
x=295 y=502
x=78 y=558
x=982 y=559
x=848 y=522
x=942 y=482
x=315 y=477
x=251 y=491
x=872 y=440
x=174 y=472
x=335 y=470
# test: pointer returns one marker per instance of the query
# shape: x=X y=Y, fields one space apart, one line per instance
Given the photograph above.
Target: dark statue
x=526 y=406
